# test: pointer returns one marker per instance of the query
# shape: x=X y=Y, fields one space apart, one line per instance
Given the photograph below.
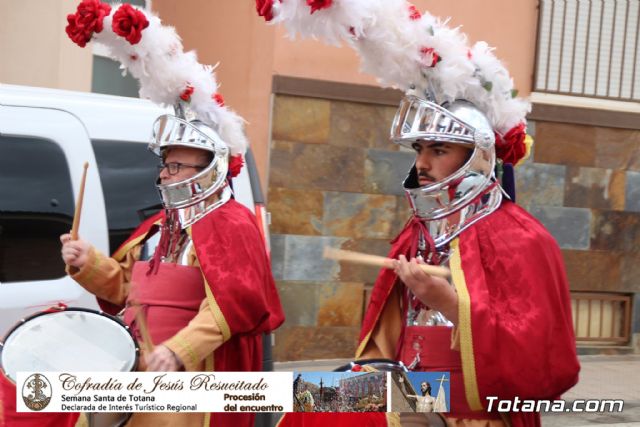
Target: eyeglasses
x=175 y=167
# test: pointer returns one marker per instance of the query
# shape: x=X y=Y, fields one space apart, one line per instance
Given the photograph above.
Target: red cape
x=232 y=256
x=241 y=290
x=513 y=300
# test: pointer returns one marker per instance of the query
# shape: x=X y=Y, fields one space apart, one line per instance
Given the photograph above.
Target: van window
x=128 y=175
x=36 y=207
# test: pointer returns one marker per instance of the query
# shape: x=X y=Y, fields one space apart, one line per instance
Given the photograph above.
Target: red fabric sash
x=434 y=345
x=324 y=419
x=169 y=299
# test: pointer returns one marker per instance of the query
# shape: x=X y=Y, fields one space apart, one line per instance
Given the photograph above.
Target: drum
x=367 y=365
x=71 y=339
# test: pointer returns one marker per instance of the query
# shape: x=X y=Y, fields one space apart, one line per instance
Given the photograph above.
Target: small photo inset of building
x=340 y=392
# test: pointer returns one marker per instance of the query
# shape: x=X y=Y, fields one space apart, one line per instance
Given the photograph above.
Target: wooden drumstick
x=147 y=344
x=379 y=261
x=76 y=216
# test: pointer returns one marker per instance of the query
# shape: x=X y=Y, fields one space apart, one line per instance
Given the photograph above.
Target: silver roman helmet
x=154 y=55
x=408 y=49
x=196 y=196
x=472 y=190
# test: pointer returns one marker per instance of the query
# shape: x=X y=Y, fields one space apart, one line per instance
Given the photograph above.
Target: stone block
x=540 y=184
x=303 y=260
x=350 y=272
x=340 y=304
x=635 y=328
x=565 y=144
x=616 y=231
x=355 y=124
x=594 y=188
x=316 y=167
x=632 y=192
x=569 y=226
x=630 y=268
x=295 y=211
x=309 y=343
x=617 y=148
x=277 y=244
x=358 y=215
x=299 y=303
x=385 y=171
x=301 y=119
x=593 y=270
x=321 y=304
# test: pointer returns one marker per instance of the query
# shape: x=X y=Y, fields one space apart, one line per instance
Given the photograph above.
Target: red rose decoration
x=356 y=368
x=86 y=21
x=186 y=94
x=235 y=165
x=435 y=58
x=511 y=147
x=128 y=22
x=319 y=4
x=218 y=98
x=263 y=7
x=414 y=13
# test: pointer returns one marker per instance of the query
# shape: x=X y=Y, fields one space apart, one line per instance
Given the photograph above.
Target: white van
x=46 y=136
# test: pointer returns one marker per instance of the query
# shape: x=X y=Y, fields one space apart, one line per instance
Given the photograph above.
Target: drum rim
x=363 y=362
x=61 y=310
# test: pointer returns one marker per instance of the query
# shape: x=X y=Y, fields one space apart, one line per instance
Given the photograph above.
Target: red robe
x=513 y=300
x=232 y=257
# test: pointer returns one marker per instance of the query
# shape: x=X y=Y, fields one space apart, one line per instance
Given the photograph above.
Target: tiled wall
x=584 y=185
x=335 y=180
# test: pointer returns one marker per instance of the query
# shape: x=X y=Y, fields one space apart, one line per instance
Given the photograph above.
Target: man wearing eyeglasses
x=207 y=298
x=181 y=164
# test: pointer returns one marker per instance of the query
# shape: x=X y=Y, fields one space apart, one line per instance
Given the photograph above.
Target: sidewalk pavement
x=601 y=377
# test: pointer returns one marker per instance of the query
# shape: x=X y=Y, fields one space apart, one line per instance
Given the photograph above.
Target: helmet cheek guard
x=198 y=195
x=471 y=190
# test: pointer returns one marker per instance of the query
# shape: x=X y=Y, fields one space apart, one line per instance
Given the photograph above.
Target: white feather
x=164 y=71
x=390 y=45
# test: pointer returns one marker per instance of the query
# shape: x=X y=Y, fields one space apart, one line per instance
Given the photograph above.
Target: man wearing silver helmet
x=197 y=271
x=502 y=324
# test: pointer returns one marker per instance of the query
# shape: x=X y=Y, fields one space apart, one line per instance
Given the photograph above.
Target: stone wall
x=584 y=185
x=335 y=180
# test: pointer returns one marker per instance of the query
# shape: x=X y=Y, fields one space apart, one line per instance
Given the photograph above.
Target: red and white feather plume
x=153 y=54
x=407 y=49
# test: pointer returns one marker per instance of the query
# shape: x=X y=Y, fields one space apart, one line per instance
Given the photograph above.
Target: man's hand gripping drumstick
x=74 y=251
x=427 y=282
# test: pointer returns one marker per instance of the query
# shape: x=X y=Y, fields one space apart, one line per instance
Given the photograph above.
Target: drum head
x=70 y=340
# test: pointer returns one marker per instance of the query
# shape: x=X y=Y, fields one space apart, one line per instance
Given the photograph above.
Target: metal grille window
x=601 y=318
x=589 y=48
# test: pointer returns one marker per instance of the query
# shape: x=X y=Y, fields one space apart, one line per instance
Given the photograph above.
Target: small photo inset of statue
x=340 y=392
x=420 y=391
